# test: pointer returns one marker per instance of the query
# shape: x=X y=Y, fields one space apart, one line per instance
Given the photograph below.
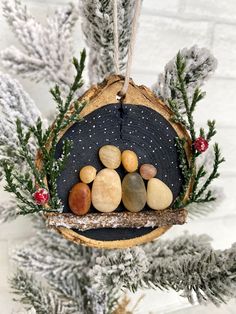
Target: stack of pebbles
x=138 y=187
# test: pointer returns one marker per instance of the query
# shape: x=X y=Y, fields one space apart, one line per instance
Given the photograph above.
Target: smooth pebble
x=80 y=199
x=110 y=156
x=129 y=160
x=87 y=174
x=148 y=171
x=159 y=196
x=106 y=190
x=133 y=192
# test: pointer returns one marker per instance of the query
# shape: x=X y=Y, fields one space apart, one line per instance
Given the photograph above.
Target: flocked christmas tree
x=55 y=275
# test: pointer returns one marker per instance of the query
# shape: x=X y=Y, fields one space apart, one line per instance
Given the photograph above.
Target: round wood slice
x=141 y=123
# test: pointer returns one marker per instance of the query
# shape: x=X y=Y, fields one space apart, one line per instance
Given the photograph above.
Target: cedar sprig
x=200 y=195
x=182 y=113
x=24 y=185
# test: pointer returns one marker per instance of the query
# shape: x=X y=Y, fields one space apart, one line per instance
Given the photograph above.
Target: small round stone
x=148 y=171
x=129 y=160
x=87 y=174
x=110 y=156
x=80 y=199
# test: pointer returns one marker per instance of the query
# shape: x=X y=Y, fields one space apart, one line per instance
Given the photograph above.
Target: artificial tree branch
x=47 y=141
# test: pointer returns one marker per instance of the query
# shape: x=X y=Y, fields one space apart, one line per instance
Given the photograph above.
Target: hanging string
x=116 y=37
x=134 y=26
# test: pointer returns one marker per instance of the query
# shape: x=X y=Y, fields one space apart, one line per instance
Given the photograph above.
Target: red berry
x=200 y=144
x=41 y=196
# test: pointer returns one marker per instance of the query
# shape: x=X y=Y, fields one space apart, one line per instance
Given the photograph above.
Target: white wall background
x=165 y=27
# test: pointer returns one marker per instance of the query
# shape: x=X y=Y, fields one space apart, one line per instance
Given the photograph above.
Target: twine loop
x=122 y=93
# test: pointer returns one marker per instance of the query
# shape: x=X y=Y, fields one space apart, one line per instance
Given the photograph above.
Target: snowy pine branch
x=199 y=65
x=46 y=49
x=23 y=184
x=36 y=297
x=15 y=104
x=187 y=264
x=179 y=87
x=97 y=26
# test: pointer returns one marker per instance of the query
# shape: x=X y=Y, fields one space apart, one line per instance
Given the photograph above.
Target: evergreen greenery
x=183 y=113
x=24 y=185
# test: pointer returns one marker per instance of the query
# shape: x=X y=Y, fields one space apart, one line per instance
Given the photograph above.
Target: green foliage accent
x=183 y=113
x=23 y=186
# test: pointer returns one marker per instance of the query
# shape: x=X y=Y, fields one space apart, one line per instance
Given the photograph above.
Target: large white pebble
x=159 y=196
x=106 y=191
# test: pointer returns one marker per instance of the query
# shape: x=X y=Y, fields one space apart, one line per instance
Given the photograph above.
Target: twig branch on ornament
x=151 y=218
x=183 y=99
x=23 y=186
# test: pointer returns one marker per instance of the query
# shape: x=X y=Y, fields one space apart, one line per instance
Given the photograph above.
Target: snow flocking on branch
x=15 y=104
x=97 y=26
x=185 y=264
x=200 y=64
x=46 y=49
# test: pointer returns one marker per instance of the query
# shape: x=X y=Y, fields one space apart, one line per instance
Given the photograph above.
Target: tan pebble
x=110 y=156
x=159 y=196
x=80 y=199
x=133 y=192
x=87 y=174
x=129 y=160
x=106 y=191
x=148 y=171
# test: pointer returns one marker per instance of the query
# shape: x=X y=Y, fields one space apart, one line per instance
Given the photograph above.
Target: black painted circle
x=134 y=127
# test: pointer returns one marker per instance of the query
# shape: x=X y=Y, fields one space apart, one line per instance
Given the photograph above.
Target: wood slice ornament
x=142 y=124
